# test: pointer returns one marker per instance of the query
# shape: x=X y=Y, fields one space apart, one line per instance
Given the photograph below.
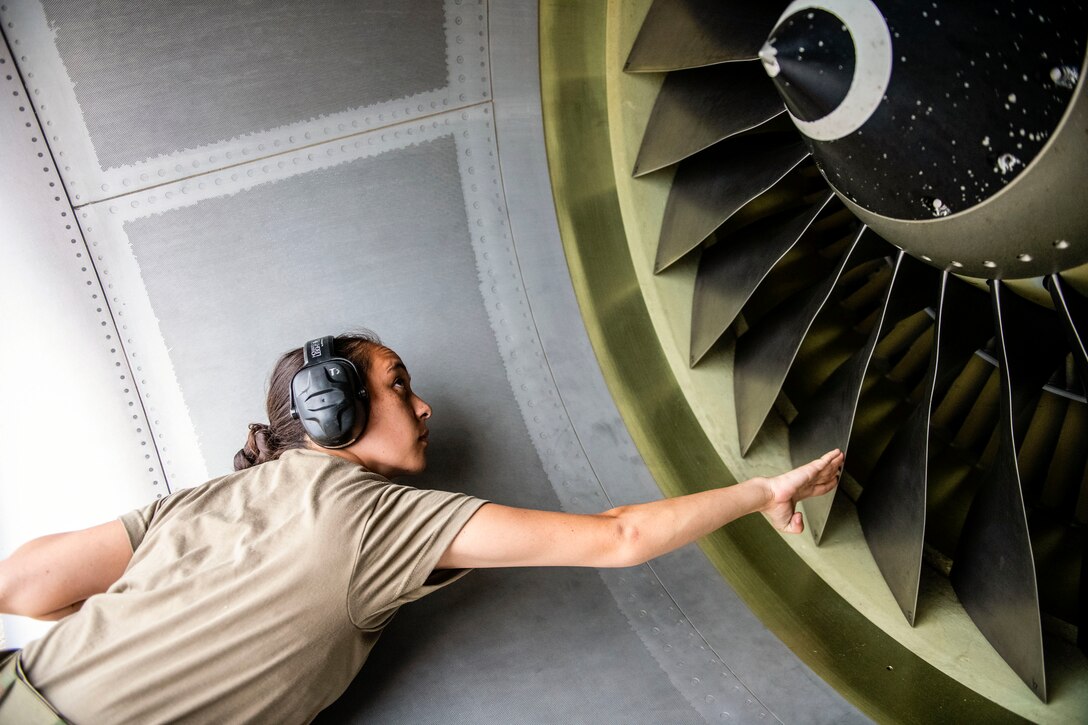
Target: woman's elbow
x=629 y=546
x=15 y=598
x=7 y=589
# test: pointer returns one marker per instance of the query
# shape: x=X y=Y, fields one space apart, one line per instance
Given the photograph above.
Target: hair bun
x=259 y=447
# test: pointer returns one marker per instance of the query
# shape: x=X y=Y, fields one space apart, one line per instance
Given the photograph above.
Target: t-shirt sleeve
x=137 y=521
x=406 y=534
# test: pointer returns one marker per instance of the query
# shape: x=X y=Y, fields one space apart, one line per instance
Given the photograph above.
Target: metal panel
x=200 y=71
x=77 y=448
x=893 y=504
x=711 y=187
x=690 y=33
x=213 y=255
x=526 y=188
x=205 y=86
x=764 y=355
x=699 y=107
x=994 y=571
x=731 y=270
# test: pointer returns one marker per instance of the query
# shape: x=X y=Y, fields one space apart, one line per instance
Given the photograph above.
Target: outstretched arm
x=50 y=577
x=501 y=536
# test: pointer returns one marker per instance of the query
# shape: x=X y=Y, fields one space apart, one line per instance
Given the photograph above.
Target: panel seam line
x=94 y=266
x=278 y=154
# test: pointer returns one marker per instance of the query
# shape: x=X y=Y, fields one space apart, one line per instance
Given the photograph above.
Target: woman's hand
x=784 y=491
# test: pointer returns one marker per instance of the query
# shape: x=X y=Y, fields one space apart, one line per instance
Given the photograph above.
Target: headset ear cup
x=326 y=399
x=328 y=396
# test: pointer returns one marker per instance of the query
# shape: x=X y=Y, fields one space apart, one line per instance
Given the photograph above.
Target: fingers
x=831 y=462
x=796 y=524
x=827 y=465
x=825 y=473
x=812 y=479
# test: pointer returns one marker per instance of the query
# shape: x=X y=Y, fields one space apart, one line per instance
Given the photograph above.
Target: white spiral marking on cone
x=872 y=66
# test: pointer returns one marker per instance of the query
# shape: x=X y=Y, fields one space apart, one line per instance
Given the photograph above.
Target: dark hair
x=266 y=442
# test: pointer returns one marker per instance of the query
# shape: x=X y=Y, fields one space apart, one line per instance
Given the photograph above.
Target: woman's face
x=394 y=442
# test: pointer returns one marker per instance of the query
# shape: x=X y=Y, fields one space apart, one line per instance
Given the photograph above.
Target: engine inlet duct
x=890 y=226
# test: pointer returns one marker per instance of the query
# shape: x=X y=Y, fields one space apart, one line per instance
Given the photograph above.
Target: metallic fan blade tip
x=711 y=187
x=1073 y=311
x=697 y=33
x=731 y=271
x=765 y=354
x=697 y=108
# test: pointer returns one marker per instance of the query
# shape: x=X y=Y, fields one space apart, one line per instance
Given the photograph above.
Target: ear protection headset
x=328 y=396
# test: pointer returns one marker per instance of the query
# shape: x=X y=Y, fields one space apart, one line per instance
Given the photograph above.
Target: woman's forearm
x=29 y=585
x=658 y=527
x=51 y=576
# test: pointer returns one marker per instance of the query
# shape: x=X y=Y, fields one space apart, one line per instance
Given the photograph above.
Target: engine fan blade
x=697 y=108
x=691 y=33
x=994 y=569
x=711 y=187
x=892 y=507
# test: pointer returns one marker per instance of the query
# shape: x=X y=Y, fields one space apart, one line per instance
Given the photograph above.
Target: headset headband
x=318 y=350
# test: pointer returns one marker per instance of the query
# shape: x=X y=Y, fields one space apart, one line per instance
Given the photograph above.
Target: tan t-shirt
x=253 y=598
